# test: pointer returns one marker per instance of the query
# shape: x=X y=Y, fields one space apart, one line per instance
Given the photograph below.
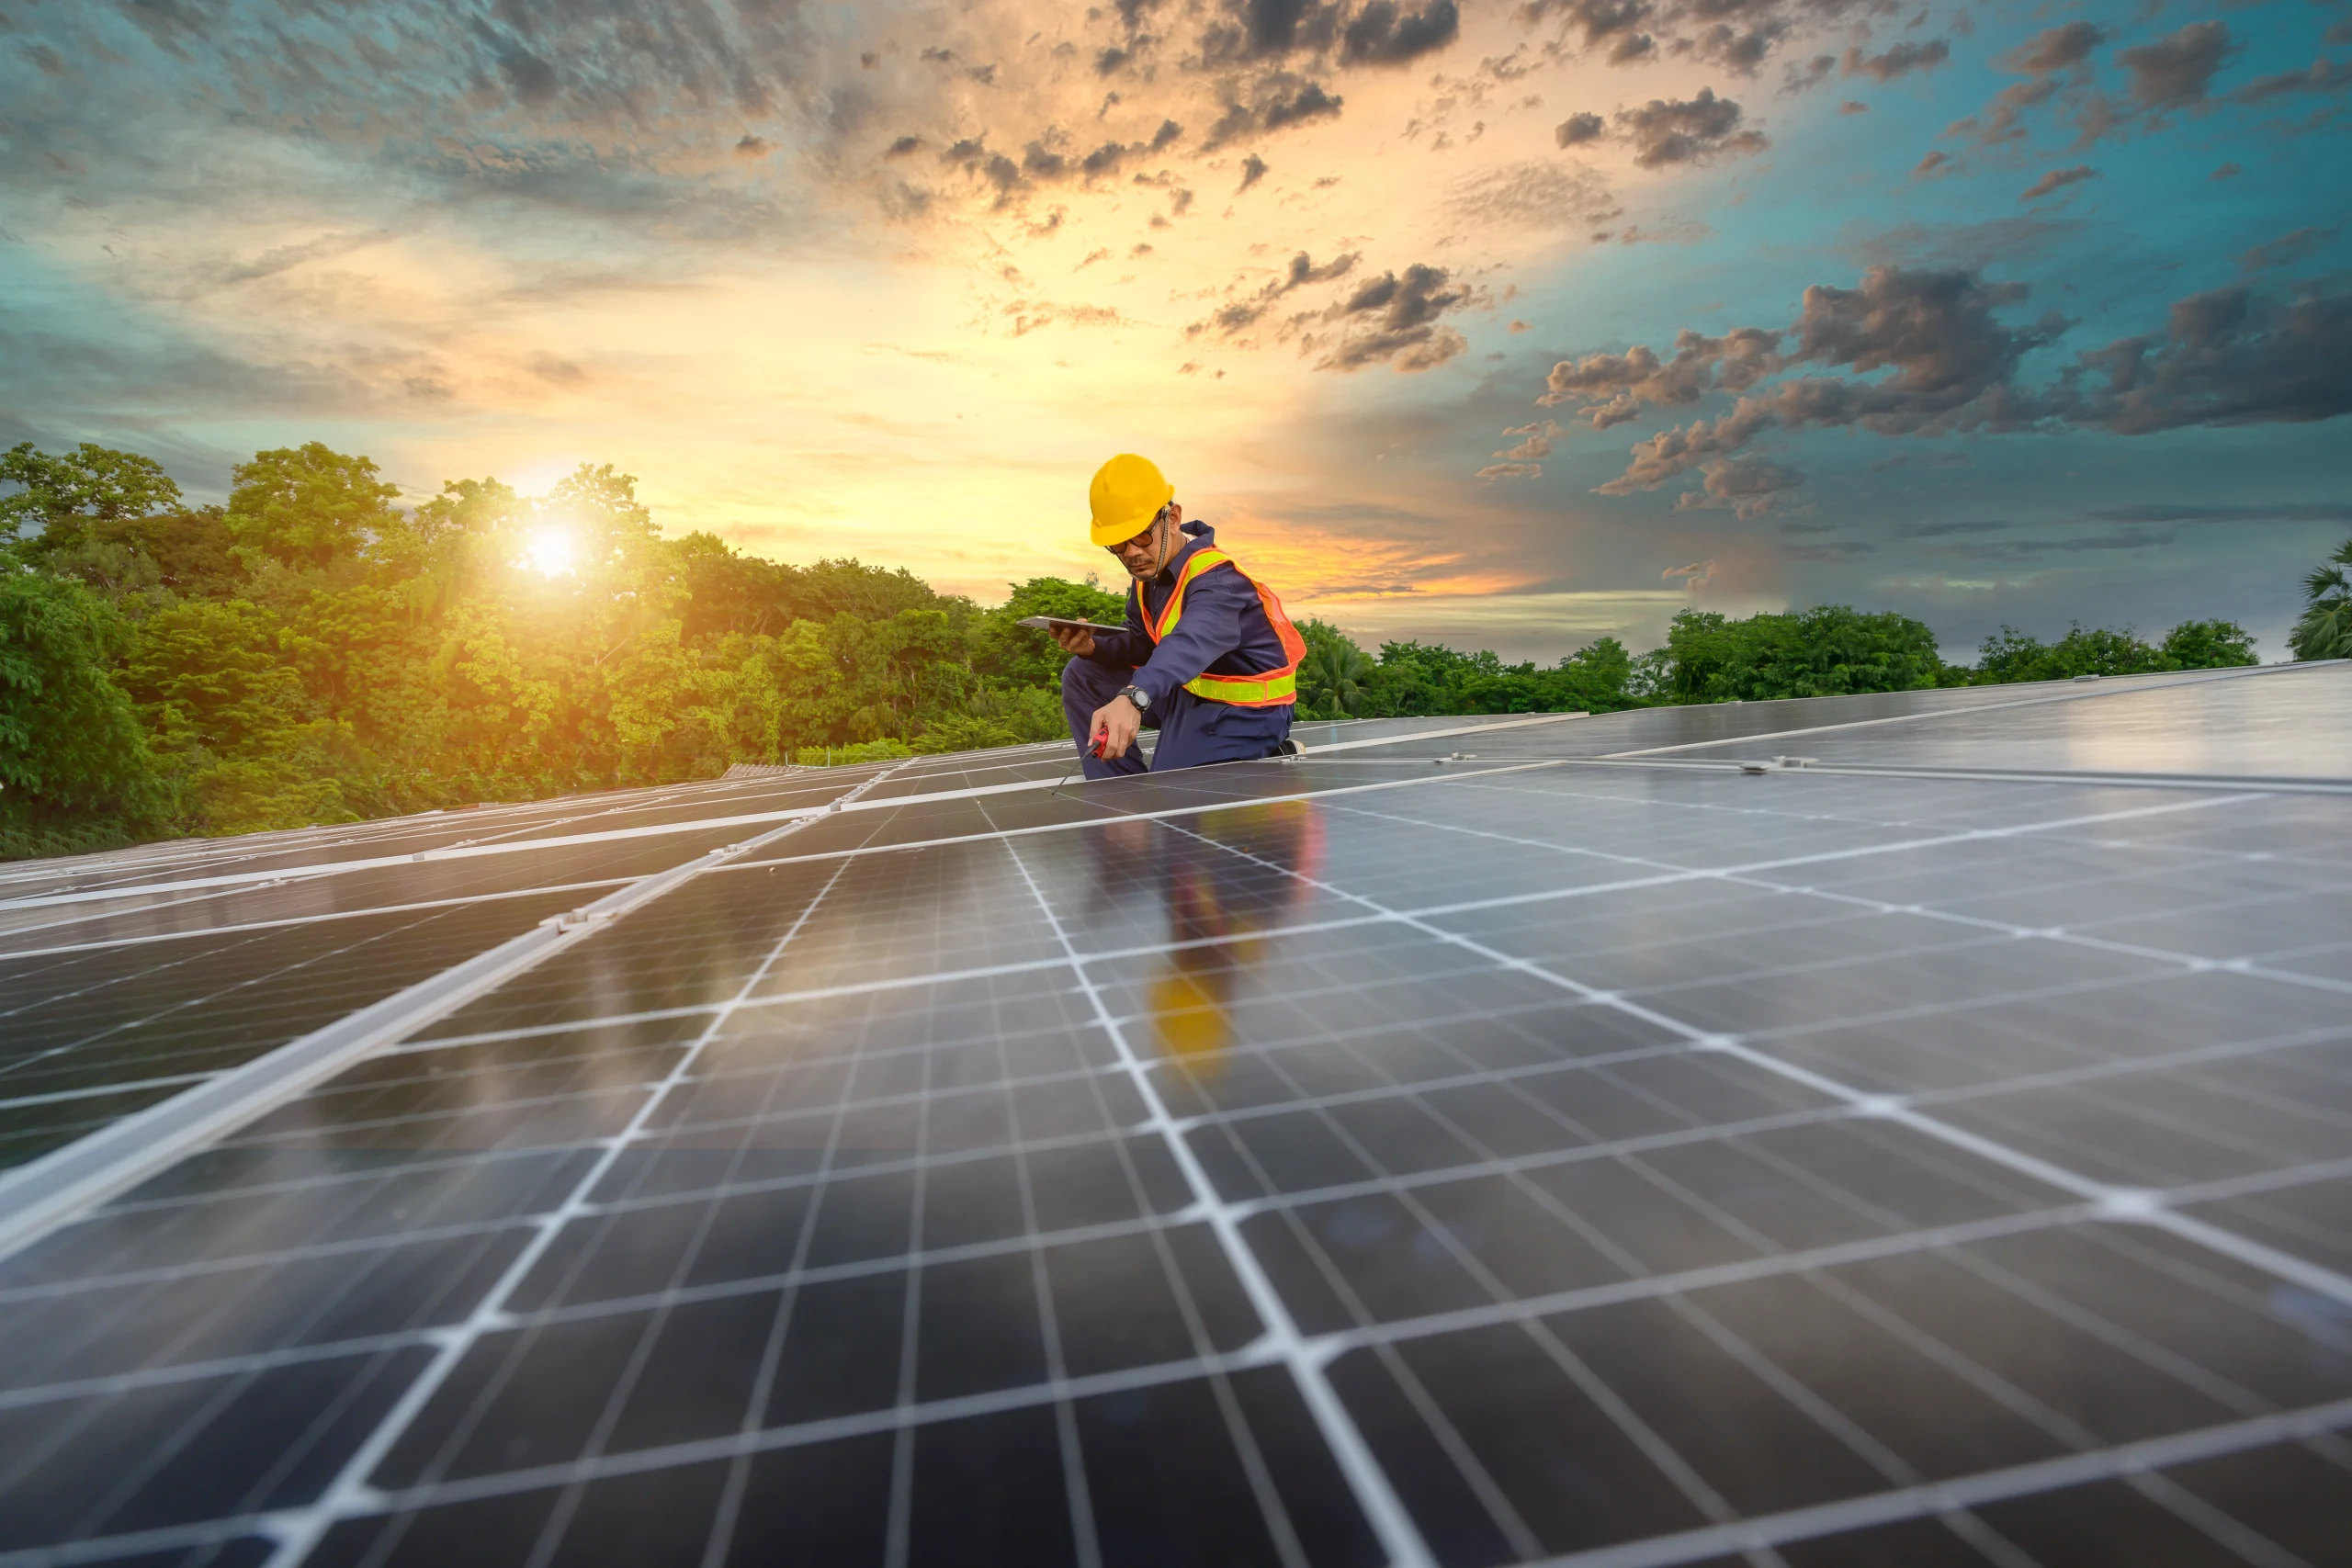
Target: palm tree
x=2325 y=630
x=1332 y=675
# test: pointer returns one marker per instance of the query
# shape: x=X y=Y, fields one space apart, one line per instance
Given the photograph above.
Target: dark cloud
x=1900 y=61
x=1166 y=136
x=1302 y=273
x=754 y=146
x=1935 y=166
x=1939 y=360
x=532 y=78
x=1253 y=169
x=1271 y=102
x=1382 y=34
x=2175 y=71
x=903 y=146
x=1579 y=129
x=1394 y=320
x=2058 y=179
x=2226 y=356
x=1665 y=130
x=1951 y=365
x=1268 y=29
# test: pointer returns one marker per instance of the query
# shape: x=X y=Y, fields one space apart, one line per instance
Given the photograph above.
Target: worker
x=1207 y=657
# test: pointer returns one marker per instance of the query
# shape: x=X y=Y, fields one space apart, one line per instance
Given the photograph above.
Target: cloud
x=1382 y=34
x=1272 y=101
x=1392 y=319
x=1666 y=130
x=2261 y=511
x=2226 y=356
x=2053 y=50
x=2058 y=179
x=1253 y=169
x=1934 y=166
x=1900 y=61
x=1951 y=365
x=2287 y=249
x=1302 y=273
x=1925 y=353
x=2320 y=76
x=1746 y=487
x=2175 y=71
x=2053 y=60
x=1579 y=129
x=1494 y=472
x=1534 y=194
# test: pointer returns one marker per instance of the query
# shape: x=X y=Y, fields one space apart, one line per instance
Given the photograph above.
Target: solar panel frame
x=1453 y=998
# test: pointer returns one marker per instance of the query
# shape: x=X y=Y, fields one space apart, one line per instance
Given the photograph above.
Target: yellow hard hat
x=1126 y=494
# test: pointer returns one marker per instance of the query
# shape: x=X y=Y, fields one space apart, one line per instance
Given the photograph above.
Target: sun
x=550 y=553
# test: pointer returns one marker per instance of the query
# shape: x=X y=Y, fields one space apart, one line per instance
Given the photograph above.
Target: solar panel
x=1474 y=1142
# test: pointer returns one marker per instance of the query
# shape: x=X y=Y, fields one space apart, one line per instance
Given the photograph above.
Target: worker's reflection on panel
x=1229 y=879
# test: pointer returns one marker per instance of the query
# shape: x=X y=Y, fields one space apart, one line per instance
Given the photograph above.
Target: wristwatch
x=1138 y=695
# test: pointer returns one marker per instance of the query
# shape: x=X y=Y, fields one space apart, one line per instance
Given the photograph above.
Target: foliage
x=2324 y=631
x=312 y=652
x=843 y=756
x=2011 y=655
x=1827 y=651
x=76 y=771
x=306 y=505
x=63 y=494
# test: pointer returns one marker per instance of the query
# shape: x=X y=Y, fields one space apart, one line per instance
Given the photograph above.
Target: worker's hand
x=1116 y=721
x=1074 y=639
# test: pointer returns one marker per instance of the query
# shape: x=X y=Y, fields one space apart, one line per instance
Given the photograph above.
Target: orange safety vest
x=1272 y=688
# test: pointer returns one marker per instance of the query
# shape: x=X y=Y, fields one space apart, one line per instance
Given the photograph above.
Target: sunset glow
x=1435 y=309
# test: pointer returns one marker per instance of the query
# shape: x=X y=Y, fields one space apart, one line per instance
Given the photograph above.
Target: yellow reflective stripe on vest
x=1265 y=690
x=1280 y=687
x=1196 y=563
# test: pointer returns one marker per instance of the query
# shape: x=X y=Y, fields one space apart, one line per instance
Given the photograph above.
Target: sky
x=1504 y=325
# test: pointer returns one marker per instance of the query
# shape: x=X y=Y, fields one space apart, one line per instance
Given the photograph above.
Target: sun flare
x=550 y=553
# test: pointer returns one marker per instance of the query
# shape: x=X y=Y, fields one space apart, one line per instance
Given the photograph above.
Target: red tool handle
x=1102 y=738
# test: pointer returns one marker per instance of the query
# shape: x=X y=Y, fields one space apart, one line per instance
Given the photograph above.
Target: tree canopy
x=312 y=651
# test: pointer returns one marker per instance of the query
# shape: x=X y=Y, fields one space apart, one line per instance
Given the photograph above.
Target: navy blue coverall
x=1223 y=631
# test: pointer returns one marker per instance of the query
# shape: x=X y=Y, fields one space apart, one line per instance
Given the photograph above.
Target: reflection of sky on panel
x=2289 y=725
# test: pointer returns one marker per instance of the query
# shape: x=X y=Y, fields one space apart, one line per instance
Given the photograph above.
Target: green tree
x=62 y=496
x=76 y=771
x=308 y=505
x=2207 y=644
x=1827 y=651
x=1335 y=678
x=1005 y=651
x=2324 y=630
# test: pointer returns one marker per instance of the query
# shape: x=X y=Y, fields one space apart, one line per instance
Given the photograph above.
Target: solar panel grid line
x=1961 y=1493
x=1945 y=1237
x=2280 y=784
x=1383 y=1511
x=2190 y=962
x=36 y=1197
x=349 y=1494
x=2111 y=1202
x=8 y=954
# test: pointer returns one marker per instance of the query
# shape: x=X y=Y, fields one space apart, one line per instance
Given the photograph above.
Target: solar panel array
x=1912 y=1128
